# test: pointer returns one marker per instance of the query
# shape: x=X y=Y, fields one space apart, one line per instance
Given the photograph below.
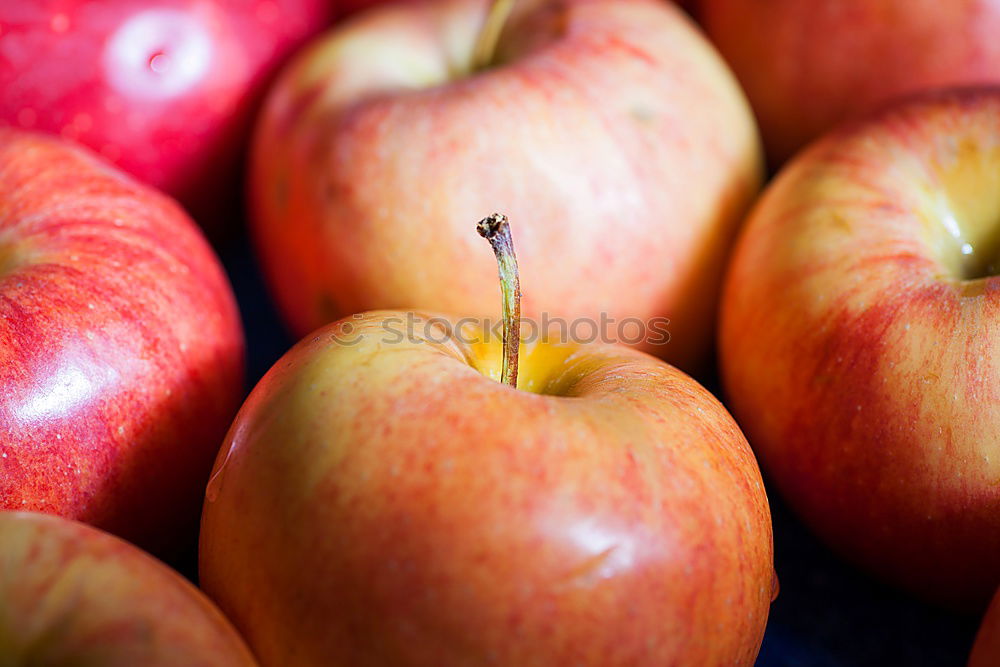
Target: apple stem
x=489 y=35
x=496 y=230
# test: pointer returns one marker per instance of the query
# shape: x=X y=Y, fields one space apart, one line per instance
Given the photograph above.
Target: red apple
x=121 y=351
x=382 y=500
x=986 y=652
x=73 y=595
x=610 y=128
x=162 y=88
x=860 y=341
x=808 y=65
x=391 y=504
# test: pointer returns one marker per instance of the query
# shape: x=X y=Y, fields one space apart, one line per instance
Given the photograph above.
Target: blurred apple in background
x=380 y=500
x=162 y=88
x=986 y=652
x=860 y=341
x=121 y=350
x=72 y=595
x=610 y=129
x=808 y=65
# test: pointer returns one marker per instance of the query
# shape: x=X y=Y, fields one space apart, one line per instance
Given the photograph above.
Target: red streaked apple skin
x=73 y=595
x=121 y=349
x=163 y=88
x=808 y=65
x=863 y=367
x=387 y=504
x=986 y=651
x=612 y=136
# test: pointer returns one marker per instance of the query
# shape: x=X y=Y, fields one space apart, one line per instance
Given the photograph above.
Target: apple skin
x=73 y=595
x=860 y=348
x=986 y=651
x=163 y=88
x=612 y=135
x=387 y=502
x=808 y=65
x=121 y=349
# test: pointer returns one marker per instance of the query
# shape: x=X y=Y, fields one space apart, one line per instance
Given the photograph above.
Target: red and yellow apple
x=121 y=350
x=382 y=500
x=162 y=88
x=860 y=341
x=73 y=595
x=986 y=651
x=807 y=65
x=609 y=128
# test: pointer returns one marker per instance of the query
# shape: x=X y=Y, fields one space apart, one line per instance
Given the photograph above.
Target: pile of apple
x=448 y=497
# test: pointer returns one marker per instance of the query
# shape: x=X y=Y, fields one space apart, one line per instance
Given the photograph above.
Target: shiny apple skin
x=808 y=65
x=74 y=595
x=121 y=349
x=163 y=88
x=862 y=364
x=986 y=651
x=387 y=503
x=612 y=135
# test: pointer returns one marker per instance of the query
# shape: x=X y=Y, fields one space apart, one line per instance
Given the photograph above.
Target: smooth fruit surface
x=73 y=595
x=121 y=349
x=808 y=65
x=381 y=501
x=162 y=88
x=860 y=341
x=609 y=131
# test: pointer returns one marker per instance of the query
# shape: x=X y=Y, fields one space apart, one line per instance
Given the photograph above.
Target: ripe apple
x=121 y=350
x=162 y=88
x=808 y=65
x=986 y=652
x=860 y=341
x=73 y=595
x=382 y=500
x=610 y=128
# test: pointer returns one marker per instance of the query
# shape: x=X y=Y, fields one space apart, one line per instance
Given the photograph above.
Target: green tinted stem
x=489 y=35
x=496 y=230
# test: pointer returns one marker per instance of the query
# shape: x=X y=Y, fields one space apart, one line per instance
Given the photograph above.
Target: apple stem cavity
x=489 y=36
x=496 y=229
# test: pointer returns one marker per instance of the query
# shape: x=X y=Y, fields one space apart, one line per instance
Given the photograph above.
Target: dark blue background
x=827 y=613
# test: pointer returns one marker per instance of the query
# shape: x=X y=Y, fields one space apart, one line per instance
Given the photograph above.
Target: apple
x=860 y=341
x=808 y=65
x=986 y=651
x=162 y=88
x=610 y=128
x=382 y=499
x=74 y=595
x=121 y=349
